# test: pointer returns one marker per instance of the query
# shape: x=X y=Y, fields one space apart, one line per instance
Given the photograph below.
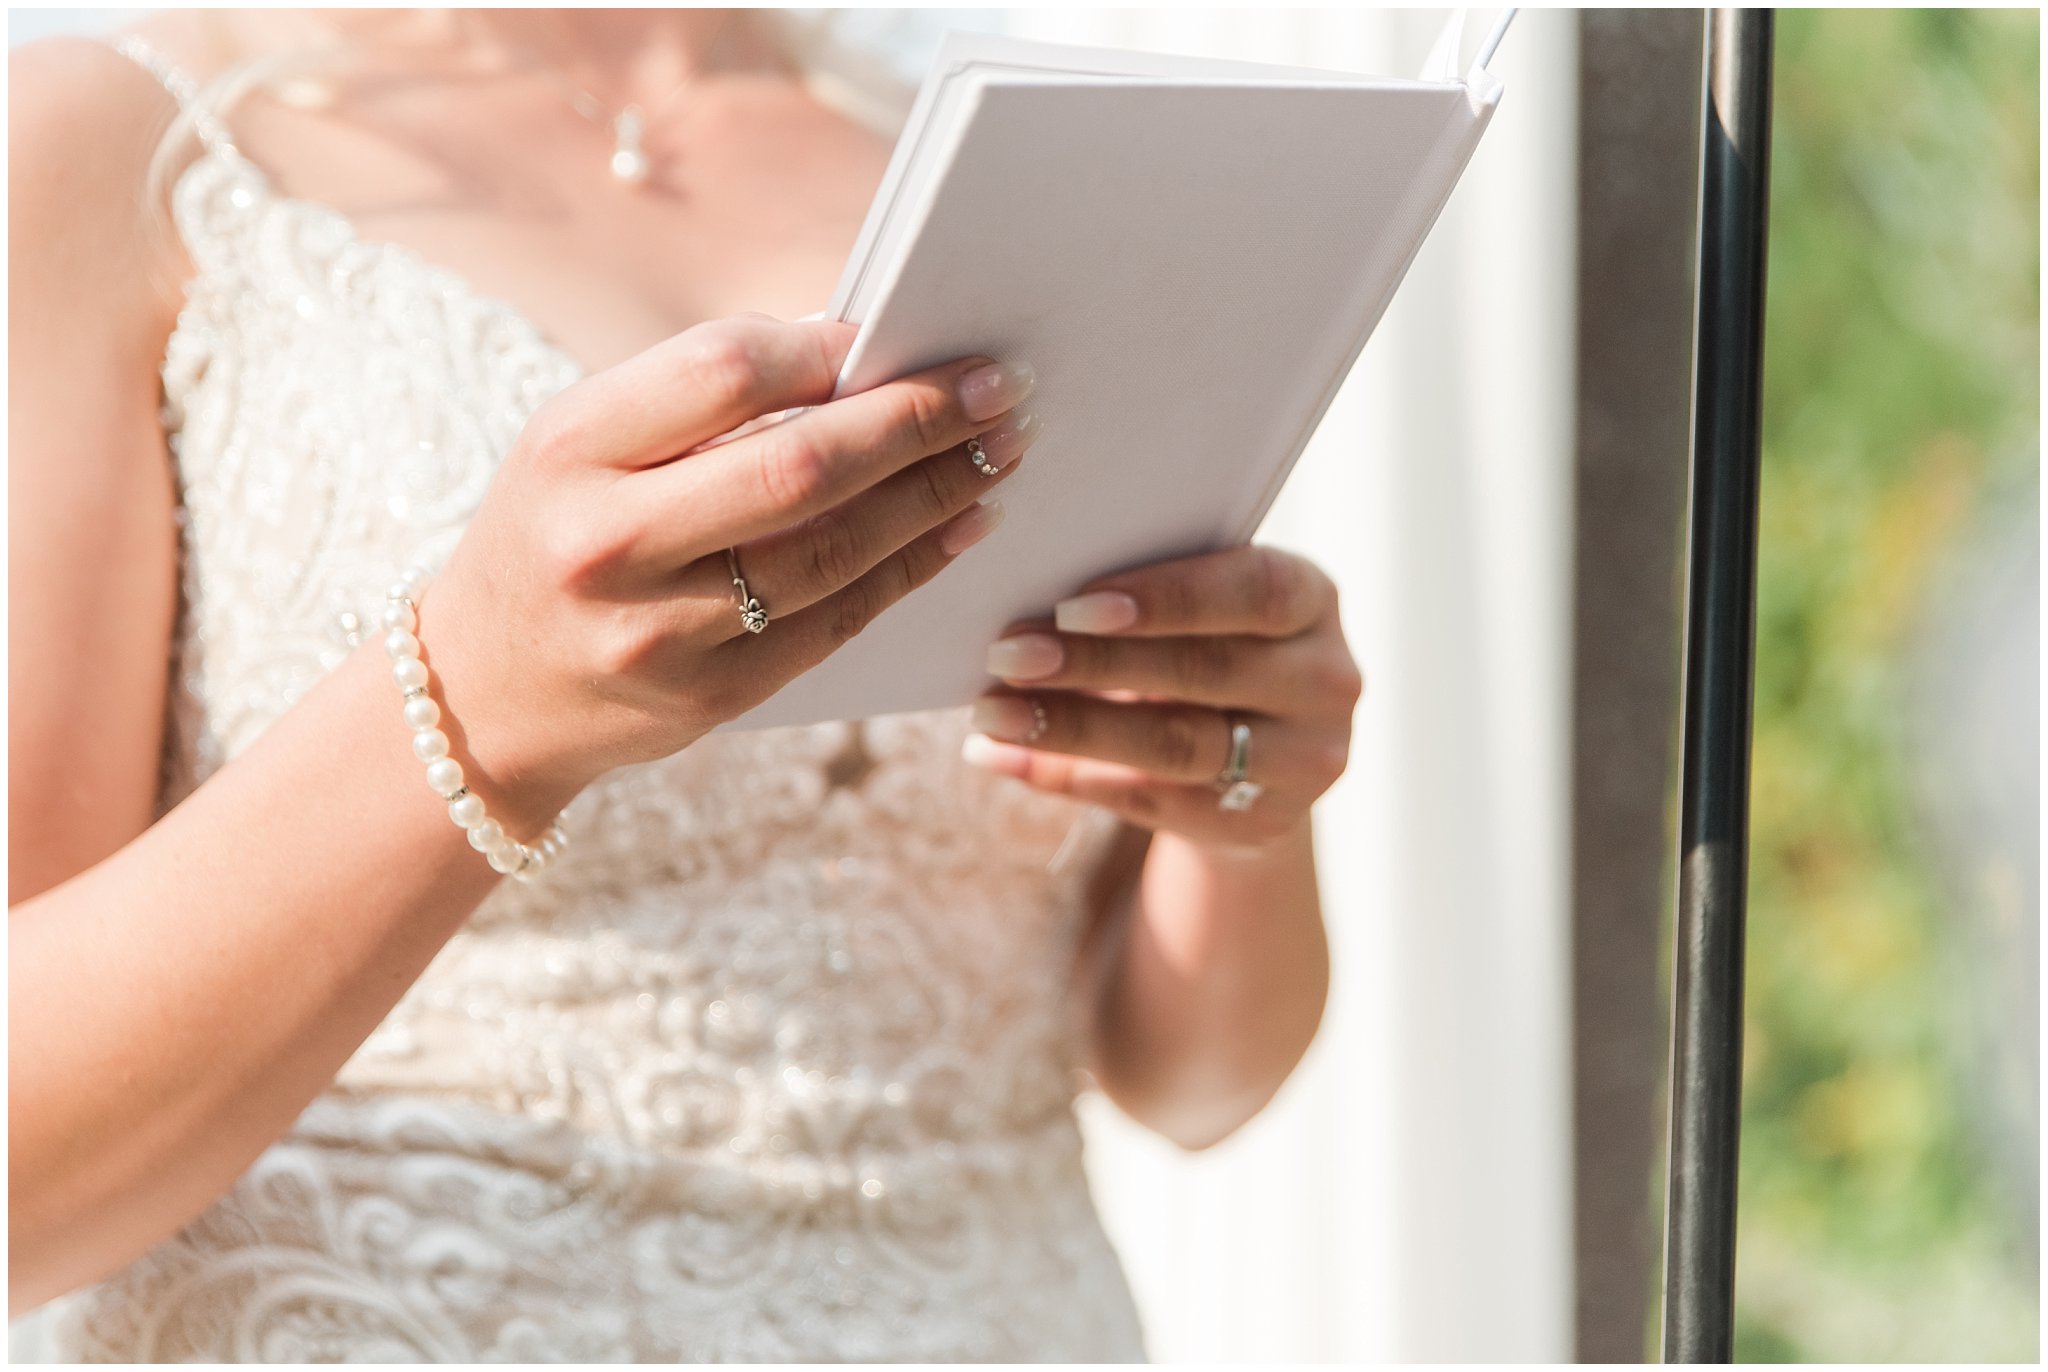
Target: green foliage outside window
x=1902 y=406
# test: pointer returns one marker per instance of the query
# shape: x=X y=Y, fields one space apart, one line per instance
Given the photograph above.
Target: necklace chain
x=630 y=164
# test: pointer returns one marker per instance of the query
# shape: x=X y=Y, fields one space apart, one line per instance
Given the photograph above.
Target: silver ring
x=752 y=616
x=1039 y=723
x=980 y=458
x=1237 y=792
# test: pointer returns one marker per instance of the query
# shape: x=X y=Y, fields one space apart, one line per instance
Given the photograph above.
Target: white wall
x=1407 y=1195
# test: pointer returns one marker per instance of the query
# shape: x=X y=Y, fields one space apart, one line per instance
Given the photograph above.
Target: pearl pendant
x=630 y=166
x=629 y=160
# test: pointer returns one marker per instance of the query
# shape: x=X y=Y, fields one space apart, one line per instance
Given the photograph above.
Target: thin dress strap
x=182 y=88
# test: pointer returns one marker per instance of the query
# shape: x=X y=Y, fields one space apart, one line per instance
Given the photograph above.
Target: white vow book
x=1191 y=253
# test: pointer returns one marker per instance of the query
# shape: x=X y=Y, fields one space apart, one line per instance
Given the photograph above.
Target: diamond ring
x=1236 y=791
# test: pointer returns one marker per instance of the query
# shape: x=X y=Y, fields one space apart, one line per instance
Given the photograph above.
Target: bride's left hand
x=1133 y=679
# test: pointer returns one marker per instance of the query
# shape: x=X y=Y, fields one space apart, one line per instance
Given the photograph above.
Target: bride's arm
x=1207 y=966
x=1208 y=975
x=178 y=991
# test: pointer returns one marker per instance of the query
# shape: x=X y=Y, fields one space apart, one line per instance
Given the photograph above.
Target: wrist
x=1248 y=853
x=489 y=734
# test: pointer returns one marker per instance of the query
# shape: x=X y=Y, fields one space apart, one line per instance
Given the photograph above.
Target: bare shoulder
x=83 y=125
x=81 y=111
x=66 y=84
x=67 y=96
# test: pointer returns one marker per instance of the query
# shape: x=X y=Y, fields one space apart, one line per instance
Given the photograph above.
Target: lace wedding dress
x=776 y=1063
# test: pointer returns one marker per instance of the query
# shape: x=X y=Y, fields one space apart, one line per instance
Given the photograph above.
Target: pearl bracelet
x=523 y=861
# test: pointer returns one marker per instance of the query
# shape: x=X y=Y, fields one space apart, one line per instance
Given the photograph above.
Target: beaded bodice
x=777 y=1060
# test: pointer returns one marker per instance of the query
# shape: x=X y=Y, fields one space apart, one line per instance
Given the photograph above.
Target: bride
x=761 y=1046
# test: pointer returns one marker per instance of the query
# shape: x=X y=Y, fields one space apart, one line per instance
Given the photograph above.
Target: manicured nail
x=1098 y=612
x=984 y=751
x=1022 y=657
x=1007 y=717
x=969 y=527
x=987 y=391
x=1006 y=442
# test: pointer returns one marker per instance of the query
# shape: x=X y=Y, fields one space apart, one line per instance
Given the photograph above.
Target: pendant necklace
x=630 y=164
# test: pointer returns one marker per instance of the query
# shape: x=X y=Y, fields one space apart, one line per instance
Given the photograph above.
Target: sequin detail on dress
x=777 y=1063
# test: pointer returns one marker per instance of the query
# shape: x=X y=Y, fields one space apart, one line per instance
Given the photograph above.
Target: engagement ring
x=1238 y=793
x=752 y=616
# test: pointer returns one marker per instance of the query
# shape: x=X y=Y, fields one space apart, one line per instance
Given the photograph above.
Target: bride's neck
x=625 y=56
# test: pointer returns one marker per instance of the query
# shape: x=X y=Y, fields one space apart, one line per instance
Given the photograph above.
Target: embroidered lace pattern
x=777 y=1062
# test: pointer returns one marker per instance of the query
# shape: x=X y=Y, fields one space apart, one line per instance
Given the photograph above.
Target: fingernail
x=1097 y=612
x=970 y=526
x=1024 y=656
x=987 y=391
x=1006 y=442
x=1007 y=717
x=983 y=751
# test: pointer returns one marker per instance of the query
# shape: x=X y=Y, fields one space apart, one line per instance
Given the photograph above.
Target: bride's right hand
x=587 y=619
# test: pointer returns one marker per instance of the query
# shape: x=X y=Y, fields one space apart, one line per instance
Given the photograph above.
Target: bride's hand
x=587 y=618
x=1133 y=680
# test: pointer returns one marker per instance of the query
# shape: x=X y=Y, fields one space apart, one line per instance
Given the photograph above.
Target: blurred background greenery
x=1889 y=1186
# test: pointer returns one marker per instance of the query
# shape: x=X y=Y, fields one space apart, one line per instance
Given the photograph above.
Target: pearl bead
x=630 y=166
x=444 y=774
x=506 y=854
